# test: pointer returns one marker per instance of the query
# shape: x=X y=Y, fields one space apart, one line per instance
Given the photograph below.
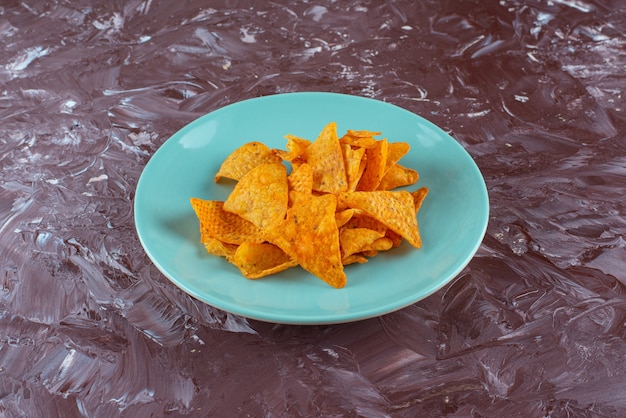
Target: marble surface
x=534 y=326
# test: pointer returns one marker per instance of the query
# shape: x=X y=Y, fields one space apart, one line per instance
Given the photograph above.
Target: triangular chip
x=398 y=176
x=362 y=133
x=297 y=147
x=325 y=158
x=301 y=179
x=354 y=240
x=395 y=151
x=261 y=195
x=244 y=159
x=353 y=158
x=354 y=258
x=376 y=159
x=223 y=226
x=300 y=182
x=362 y=220
x=309 y=235
x=396 y=239
x=395 y=209
x=343 y=216
x=381 y=244
x=418 y=197
x=362 y=138
x=365 y=142
x=217 y=247
x=259 y=260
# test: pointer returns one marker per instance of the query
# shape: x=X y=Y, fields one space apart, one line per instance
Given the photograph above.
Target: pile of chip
x=334 y=206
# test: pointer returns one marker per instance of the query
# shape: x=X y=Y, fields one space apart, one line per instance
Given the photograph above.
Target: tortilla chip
x=381 y=244
x=361 y=139
x=261 y=195
x=398 y=176
x=394 y=209
x=354 y=258
x=396 y=239
x=297 y=147
x=301 y=179
x=353 y=159
x=395 y=151
x=223 y=226
x=418 y=197
x=259 y=260
x=218 y=248
x=325 y=158
x=376 y=159
x=309 y=236
x=362 y=133
x=358 y=142
x=354 y=240
x=363 y=220
x=343 y=216
x=244 y=159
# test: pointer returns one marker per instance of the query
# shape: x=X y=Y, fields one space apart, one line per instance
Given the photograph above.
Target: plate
x=453 y=218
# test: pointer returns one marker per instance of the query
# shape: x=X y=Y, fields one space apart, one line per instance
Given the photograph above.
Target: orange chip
x=395 y=152
x=284 y=155
x=296 y=146
x=358 y=142
x=354 y=240
x=216 y=247
x=361 y=139
x=261 y=195
x=259 y=260
x=354 y=162
x=376 y=159
x=300 y=182
x=325 y=158
x=224 y=226
x=381 y=244
x=301 y=179
x=418 y=197
x=359 y=174
x=343 y=216
x=396 y=239
x=309 y=235
x=362 y=133
x=398 y=176
x=244 y=159
x=362 y=220
x=354 y=258
x=394 y=209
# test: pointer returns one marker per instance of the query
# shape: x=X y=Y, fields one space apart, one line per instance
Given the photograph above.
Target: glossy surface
x=533 y=326
x=453 y=219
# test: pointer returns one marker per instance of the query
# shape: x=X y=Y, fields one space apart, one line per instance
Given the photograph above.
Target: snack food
x=320 y=204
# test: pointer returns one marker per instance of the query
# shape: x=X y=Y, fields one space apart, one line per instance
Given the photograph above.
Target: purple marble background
x=533 y=327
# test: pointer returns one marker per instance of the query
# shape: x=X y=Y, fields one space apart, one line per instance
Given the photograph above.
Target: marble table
x=534 y=326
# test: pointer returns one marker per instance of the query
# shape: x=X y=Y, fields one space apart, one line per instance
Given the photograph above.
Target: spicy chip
x=244 y=159
x=309 y=235
x=394 y=209
x=376 y=158
x=326 y=159
x=259 y=260
x=219 y=224
x=261 y=195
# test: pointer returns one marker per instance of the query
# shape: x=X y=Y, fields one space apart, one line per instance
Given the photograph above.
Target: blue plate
x=453 y=218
